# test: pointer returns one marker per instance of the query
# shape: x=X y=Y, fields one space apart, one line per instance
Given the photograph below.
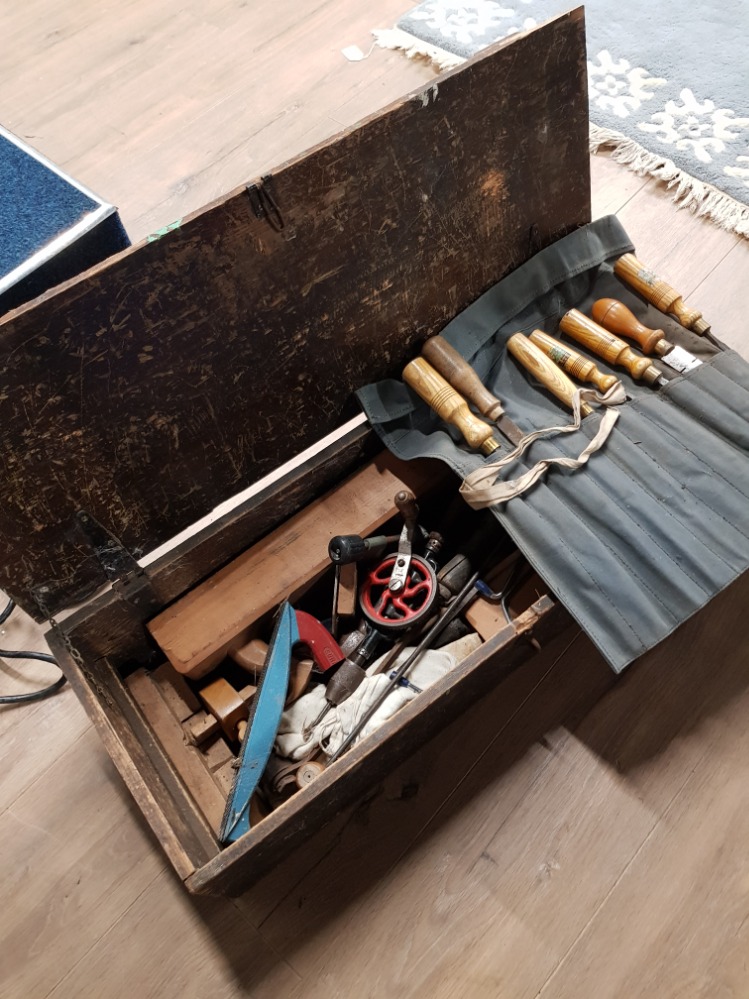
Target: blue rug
x=668 y=83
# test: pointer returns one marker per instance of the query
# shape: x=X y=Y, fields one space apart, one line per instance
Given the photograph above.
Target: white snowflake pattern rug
x=668 y=83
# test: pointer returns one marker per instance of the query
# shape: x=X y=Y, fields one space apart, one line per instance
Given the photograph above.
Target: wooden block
x=301 y=670
x=188 y=761
x=200 y=727
x=225 y=777
x=225 y=704
x=348 y=591
x=216 y=753
x=196 y=632
x=173 y=687
x=250 y=656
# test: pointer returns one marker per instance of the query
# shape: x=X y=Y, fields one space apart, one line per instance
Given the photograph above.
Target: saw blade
x=262 y=725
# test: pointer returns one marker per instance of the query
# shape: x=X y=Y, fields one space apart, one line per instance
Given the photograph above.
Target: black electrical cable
x=35 y=695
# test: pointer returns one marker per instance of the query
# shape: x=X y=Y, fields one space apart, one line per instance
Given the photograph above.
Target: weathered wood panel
x=154 y=387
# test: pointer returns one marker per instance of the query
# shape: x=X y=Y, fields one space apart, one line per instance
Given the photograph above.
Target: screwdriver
x=658 y=293
x=459 y=373
x=449 y=405
x=545 y=370
x=617 y=318
x=573 y=363
x=609 y=347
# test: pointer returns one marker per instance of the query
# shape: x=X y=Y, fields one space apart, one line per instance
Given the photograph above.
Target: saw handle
x=606 y=345
x=545 y=370
x=448 y=404
x=459 y=373
x=325 y=651
x=581 y=368
x=617 y=318
x=660 y=294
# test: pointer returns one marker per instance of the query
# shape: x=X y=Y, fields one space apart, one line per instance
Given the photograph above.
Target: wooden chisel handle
x=461 y=376
x=448 y=404
x=608 y=346
x=573 y=363
x=658 y=293
x=553 y=378
x=617 y=318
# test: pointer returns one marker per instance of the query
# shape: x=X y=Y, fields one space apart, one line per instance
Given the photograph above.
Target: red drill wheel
x=398 y=611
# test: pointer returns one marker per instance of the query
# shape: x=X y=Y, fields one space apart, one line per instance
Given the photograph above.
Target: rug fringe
x=415 y=48
x=698 y=197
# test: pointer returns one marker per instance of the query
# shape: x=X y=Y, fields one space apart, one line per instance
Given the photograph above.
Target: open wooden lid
x=161 y=383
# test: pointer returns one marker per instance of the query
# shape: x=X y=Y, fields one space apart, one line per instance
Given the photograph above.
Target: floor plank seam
x=28 y=787
x=617 y=882
x=105 y=933
x=479 y=758
x=279 y=957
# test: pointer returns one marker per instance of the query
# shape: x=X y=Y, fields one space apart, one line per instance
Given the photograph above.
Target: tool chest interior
x=222 y=360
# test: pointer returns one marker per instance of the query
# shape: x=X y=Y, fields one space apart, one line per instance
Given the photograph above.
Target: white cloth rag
x=295 y=743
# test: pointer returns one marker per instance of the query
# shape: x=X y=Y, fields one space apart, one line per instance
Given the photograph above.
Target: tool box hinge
x=264 y=204
x=129 y=580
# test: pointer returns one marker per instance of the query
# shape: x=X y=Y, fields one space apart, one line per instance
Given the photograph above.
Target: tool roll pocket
x=657 y=522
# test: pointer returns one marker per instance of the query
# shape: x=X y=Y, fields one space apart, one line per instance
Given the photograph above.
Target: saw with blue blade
x=292 y=627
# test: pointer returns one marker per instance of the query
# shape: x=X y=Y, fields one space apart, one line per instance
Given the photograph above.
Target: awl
x=545 y=370
x=617 y=318
x=459 y=373
x=450 y=406
x=579 y=367
x=613 y=350
x=659 y=293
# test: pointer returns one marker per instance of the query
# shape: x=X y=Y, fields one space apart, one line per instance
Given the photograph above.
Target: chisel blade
x=508 y=429
x=680 y=360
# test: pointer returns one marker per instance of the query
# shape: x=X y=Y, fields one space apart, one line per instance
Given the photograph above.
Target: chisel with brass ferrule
x=613 y=350
x=617 y=318
x=579 y=367
x=451 y=407
x=658 y=293
x=545 y=370
x=459 y=373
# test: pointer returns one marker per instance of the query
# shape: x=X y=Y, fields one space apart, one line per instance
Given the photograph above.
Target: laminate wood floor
x=568 y=836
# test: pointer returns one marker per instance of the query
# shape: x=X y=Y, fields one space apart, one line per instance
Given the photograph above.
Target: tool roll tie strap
x=483 y=487
x=657 y=523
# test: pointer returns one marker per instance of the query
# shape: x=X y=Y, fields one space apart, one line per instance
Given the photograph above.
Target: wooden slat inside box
x=158 y=385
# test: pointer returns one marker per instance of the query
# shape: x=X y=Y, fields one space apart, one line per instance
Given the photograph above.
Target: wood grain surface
x=185 y=369
x=568 y=836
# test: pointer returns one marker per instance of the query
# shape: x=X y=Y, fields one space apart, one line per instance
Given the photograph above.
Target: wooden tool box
x=138 y=397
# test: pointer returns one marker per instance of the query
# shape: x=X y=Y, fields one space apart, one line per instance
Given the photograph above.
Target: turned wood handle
x=461 y=376
x=573 y=363
x=544 y=369
x=606 y=345
x=448 y=404
x=617 y=318
x=660 y=294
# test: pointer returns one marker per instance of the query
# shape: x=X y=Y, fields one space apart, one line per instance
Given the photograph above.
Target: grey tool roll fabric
x=657 y=522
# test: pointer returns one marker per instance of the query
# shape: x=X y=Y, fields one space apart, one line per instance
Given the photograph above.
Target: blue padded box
x=51 y=227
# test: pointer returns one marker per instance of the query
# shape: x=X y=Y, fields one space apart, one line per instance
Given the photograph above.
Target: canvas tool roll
x=656 y=522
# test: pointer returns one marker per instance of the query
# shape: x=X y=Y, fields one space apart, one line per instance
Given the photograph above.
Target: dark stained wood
x=158 y=385
x=242 y=863
x=149 y=774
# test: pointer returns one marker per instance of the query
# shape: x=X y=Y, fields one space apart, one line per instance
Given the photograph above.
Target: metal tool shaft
x=460 y=602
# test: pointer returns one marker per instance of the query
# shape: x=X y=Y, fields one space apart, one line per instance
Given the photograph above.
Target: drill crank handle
x=659 y=293
x=545 y=370
x=459 y=373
